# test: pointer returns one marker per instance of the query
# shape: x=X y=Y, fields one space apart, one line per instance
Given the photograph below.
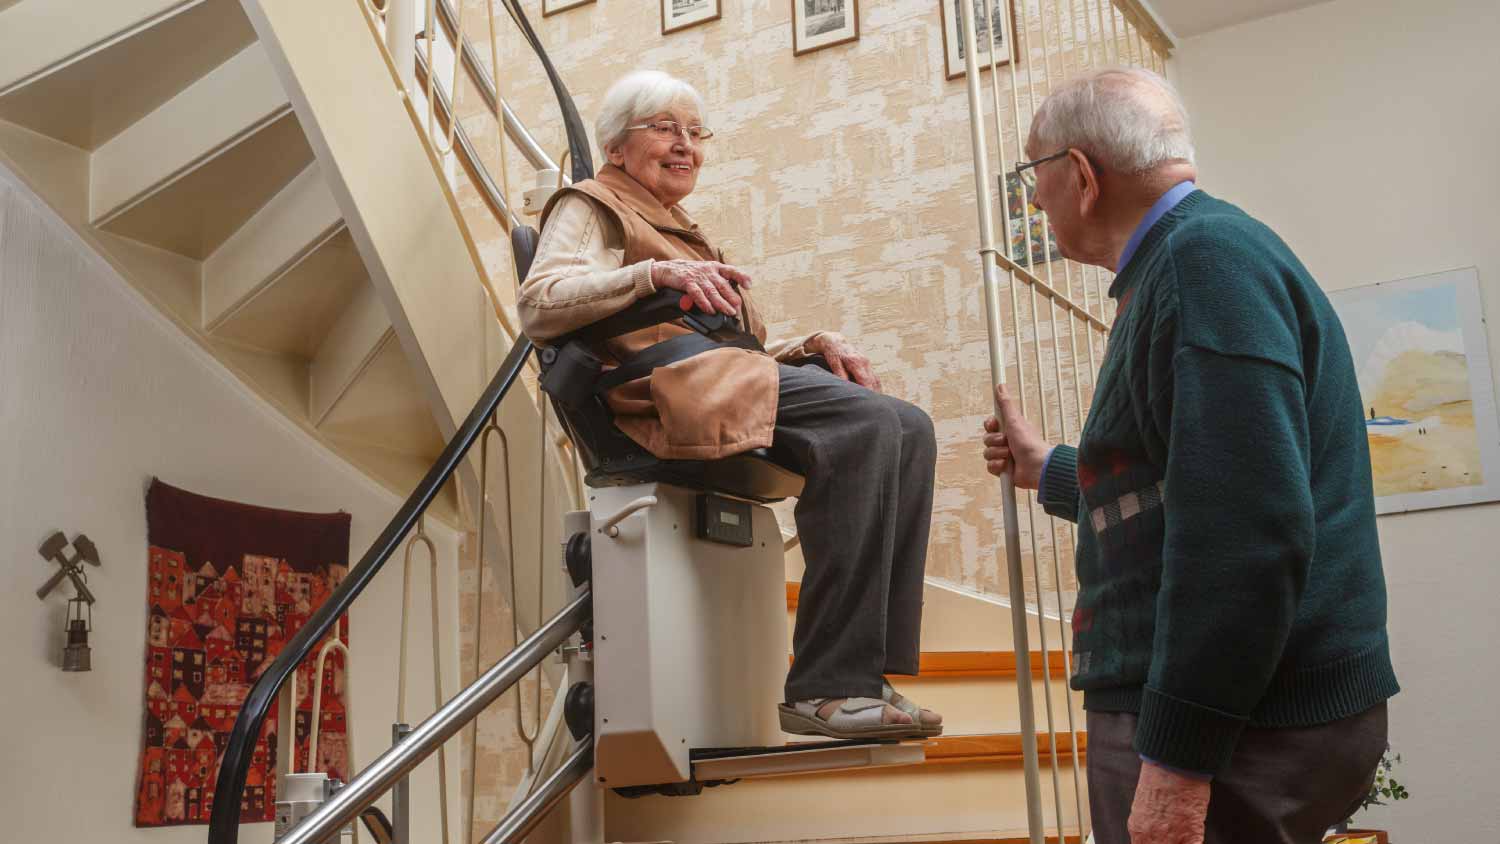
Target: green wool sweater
x=1228 y=566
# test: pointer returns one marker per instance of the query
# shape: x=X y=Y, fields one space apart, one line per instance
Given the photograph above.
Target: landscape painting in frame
x=1423 y=364
x=681 y=14
x=992 y=33
x=823 y=23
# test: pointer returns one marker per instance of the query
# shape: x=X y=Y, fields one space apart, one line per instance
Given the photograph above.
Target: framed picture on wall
x=1043 y=243
x=994 y=21
x=552 y=7
x=1423 y=364
x=823 y=23
x=681 y=14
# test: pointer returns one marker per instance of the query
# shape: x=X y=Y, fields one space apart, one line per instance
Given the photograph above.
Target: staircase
x=261 y=183
x=969 y=789
x=256 y=177
x=161 y=132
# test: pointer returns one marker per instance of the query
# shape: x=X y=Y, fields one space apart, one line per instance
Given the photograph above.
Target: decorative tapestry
x=228 y=584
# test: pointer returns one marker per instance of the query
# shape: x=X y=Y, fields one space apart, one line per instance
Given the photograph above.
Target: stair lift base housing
x=690 y=638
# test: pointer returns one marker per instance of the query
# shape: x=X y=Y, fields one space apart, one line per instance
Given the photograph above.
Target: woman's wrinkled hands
x=1017 y=442
x=707 y=285
x=845 y=361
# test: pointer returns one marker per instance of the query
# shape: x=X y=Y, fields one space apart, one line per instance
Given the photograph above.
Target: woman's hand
x=706 y=285
x=1019 y=444
x=845 y=361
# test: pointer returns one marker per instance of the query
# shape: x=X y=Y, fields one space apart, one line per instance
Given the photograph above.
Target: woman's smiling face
x=666 y=168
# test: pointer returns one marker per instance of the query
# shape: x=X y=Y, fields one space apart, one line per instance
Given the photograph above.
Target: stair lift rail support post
x=988 y=255
x=401 y=794
x=382 y=774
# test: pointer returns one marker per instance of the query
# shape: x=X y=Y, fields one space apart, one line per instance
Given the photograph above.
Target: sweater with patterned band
x=1228 y=564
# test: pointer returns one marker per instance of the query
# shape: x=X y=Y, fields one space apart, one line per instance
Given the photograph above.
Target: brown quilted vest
x=711 y=405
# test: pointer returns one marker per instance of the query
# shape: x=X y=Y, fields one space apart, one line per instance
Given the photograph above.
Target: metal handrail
x=484 y=82
x=235 y=765
x=520 y=821
x=486 y=182
x=367 y=787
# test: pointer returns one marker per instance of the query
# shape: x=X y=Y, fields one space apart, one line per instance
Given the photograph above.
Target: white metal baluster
x=1073 y=742
x=1024 y=25
x=988 y=259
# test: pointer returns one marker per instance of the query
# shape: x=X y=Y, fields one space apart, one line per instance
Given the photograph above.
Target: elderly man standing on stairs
x=1229 y=634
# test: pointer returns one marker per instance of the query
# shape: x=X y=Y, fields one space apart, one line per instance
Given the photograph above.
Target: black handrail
x=578 y=141
x=234 y=767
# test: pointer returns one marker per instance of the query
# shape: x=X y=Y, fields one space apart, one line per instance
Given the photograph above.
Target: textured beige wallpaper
x=843 y=182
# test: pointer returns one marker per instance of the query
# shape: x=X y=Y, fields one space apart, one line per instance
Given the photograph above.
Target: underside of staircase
x=161 y=132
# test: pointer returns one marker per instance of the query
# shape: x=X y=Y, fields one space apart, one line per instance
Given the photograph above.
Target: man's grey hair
x=1129 y=119
x=636 y=97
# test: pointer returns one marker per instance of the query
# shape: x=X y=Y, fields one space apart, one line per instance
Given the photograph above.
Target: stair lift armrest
x=661 y=306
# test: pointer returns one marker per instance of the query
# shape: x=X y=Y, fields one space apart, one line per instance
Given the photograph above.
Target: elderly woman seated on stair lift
x=868 y=458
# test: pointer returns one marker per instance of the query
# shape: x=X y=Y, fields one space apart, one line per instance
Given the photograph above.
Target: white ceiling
x=1186 y=18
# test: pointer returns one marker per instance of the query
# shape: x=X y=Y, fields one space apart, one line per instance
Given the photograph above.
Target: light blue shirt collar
x=1159 y=209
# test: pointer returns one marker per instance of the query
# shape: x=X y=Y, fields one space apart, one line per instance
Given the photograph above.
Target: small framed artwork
x=1043 y=243
x=552 y=7
x=994 y=24
x=681 y=14
x=1423 y=364
x=823 y=23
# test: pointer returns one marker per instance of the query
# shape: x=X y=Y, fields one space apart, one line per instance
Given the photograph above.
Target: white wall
x=1365 y=132
x=98 y=392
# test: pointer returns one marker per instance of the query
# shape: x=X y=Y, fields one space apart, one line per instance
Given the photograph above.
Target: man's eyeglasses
x=670 y=130
x=1026 y=171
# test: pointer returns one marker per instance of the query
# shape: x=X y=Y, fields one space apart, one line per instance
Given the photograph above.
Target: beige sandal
x=854 y=718
x=929 y=723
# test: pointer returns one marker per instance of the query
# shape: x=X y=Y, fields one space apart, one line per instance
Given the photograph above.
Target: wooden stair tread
x=935 y=665
x=981 y=749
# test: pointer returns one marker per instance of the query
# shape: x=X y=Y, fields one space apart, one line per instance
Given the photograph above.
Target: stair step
x=969 y=790
x=43 y=36
x=999 y=749
x=200 y=121
x=935 y=665
x=958 y=619
x=268 y=249
x=97 y=94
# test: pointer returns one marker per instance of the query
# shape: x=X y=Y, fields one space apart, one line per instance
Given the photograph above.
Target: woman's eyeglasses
x=671 y=130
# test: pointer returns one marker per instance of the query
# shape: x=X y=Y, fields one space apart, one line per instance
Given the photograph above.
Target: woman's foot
x=848 y=718
x=929 y=722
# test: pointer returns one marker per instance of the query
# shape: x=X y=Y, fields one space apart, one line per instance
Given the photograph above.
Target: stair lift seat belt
x=669 y=352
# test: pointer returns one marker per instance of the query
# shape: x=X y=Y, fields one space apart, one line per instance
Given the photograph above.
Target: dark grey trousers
x=1282 y=786
x=863 y=517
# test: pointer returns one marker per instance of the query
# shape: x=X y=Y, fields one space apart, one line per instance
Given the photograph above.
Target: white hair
x=636 y=97
x=1132 y=120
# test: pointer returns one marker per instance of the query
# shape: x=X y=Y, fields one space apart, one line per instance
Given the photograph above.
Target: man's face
x=1057 y=194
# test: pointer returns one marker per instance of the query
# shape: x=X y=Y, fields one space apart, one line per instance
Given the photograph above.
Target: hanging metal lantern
x=80 y=622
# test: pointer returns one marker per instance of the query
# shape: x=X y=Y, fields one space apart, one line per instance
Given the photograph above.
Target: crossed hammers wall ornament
x=72 y=567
